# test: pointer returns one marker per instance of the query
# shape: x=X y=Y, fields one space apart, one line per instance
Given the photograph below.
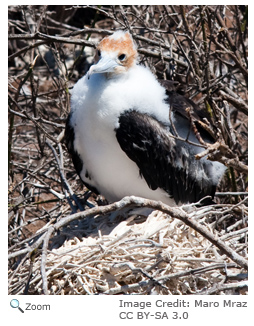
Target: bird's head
x=115 y=54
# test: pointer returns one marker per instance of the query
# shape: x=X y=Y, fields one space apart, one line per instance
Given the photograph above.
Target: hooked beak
x=105 y=64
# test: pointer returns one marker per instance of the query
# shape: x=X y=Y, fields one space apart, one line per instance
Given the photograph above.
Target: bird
x=130 y=134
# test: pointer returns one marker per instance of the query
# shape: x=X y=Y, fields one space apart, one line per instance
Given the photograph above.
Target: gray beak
x=105 y=64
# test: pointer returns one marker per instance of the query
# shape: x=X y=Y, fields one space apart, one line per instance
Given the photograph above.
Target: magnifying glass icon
x=15 y=304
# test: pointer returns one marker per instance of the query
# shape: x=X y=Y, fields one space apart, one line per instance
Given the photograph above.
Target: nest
x=124 y=252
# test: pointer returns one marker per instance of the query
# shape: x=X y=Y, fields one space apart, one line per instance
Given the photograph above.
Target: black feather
x=161 y=159
x=76 y=159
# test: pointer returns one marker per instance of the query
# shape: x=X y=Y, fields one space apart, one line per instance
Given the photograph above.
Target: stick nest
x=133 y=254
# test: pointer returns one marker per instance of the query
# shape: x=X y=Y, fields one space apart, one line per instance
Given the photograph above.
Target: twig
x=225 y=287
x=237 y=102
x=231 y=193
x=32 y=119
x=221 y=152
x=64 y=180
x=142 y=284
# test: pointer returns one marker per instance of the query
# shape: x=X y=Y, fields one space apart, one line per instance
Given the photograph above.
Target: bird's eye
x=98 y=53
x=122 y=57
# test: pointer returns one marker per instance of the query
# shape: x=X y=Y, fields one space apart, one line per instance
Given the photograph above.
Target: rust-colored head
x=115 y=54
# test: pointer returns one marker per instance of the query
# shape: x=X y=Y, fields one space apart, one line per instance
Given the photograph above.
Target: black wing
x=76 y=158
x=179 y=103
x=164 y=162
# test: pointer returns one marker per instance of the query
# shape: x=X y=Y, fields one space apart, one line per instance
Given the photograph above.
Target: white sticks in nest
x=169 y=252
